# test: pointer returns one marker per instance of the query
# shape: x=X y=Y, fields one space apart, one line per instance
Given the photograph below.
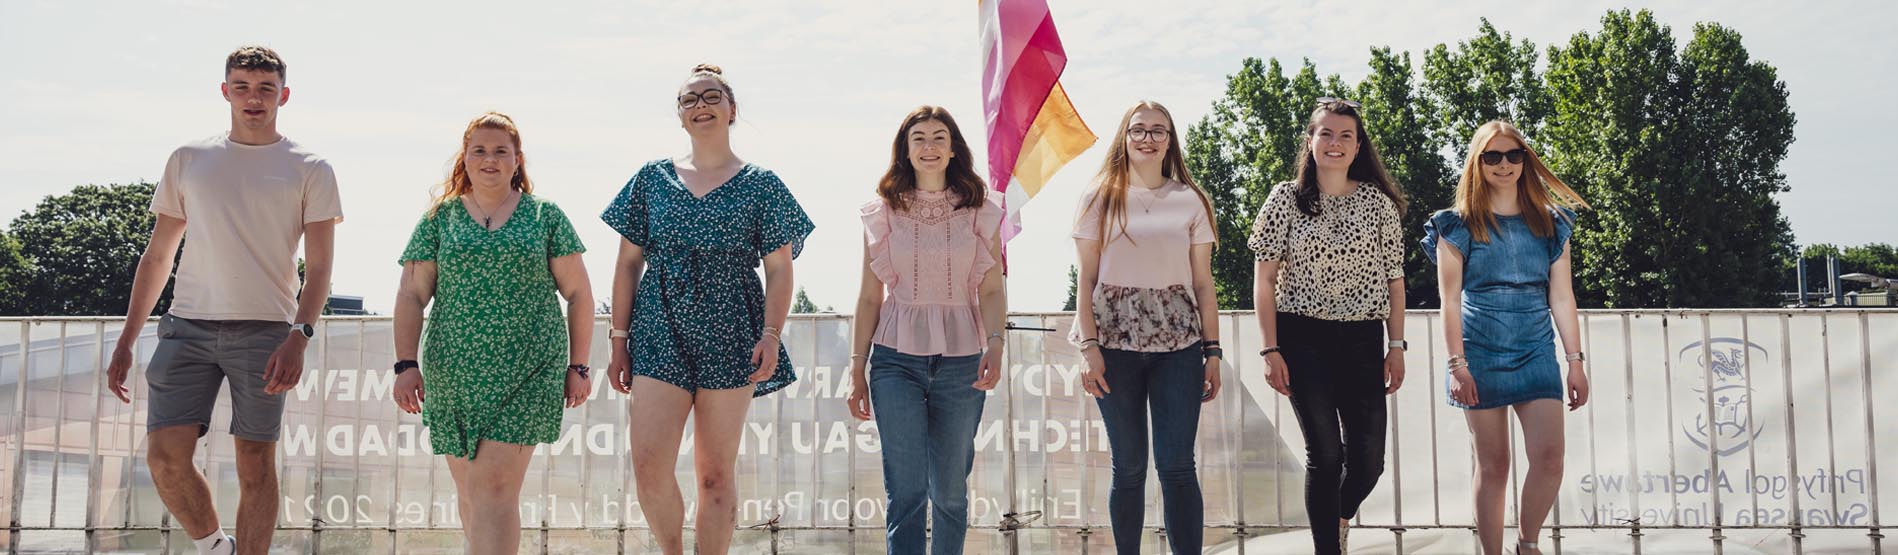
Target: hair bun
x=708 y=68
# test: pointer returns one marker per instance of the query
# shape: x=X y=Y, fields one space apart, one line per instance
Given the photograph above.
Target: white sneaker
x=217 y=544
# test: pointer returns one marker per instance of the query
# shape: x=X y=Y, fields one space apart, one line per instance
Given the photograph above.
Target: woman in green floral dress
x=500 y=360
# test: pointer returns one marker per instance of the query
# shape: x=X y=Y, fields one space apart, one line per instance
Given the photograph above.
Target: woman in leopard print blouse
x=1330 y=269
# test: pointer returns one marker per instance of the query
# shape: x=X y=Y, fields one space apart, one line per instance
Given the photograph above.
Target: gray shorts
x=193 y=359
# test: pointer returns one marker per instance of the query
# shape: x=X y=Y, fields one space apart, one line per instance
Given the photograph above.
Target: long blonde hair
x=1111 y=182
x=1538 y=191
x=458 y=183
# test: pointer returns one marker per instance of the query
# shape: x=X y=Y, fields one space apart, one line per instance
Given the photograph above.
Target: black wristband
x=1269 y=350
x=1213 y=352
x=404 y=366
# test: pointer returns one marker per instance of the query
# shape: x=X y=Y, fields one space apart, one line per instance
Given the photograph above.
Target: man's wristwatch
x=1398 y=344
x=306 y=329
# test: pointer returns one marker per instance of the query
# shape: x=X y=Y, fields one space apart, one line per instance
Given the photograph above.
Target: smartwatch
x=306 y=329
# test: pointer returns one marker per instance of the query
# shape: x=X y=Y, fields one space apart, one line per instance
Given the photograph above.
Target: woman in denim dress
x=1503 y=269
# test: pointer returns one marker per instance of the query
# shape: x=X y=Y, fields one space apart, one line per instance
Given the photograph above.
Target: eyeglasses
x=1494 y=157
x=1157 y=134
x=691 y=100
x=1332 y=101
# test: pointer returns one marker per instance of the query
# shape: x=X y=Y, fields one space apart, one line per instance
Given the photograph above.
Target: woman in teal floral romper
x=694 y=332
x=501 y=359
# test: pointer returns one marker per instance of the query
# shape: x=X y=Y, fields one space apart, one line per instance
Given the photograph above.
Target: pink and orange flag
x=1033 y=129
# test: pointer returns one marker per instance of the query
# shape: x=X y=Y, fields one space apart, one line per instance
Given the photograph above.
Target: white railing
x=1710 y=432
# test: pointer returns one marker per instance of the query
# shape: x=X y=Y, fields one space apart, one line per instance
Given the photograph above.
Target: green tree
x=1399 y=124
x=1679 y=153
x=803 y=304
x=1074 y=286
x=1489 y=77
x=84 y=247
x=1242 y=148
x=15 y=275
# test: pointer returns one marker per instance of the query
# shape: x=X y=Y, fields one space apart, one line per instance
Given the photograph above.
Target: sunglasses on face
x=710 y=98
x=1494 y=157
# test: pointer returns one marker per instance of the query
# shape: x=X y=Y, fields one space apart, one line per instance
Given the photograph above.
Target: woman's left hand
x=1211 y=384
x=765 y=355
x=1577 y=385
x=578 y=389
x=990 y=372
x=1393 y=370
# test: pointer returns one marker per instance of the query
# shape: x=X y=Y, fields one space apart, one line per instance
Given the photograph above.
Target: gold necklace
x=1146 y=206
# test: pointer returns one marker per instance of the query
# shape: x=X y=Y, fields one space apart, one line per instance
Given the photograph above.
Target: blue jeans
x=926 y=411
x=1171 y=384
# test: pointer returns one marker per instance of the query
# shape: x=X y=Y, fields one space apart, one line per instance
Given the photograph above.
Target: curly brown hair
x=256 y=58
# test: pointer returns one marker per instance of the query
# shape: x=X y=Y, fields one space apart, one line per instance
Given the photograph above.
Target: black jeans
x=1337 y=379
x=1170 y=384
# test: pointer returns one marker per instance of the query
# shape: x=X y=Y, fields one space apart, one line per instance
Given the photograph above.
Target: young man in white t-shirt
x=244 y=198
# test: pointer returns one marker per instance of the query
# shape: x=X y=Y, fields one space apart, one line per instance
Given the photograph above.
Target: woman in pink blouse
x=1150 y=331
x=929 y=325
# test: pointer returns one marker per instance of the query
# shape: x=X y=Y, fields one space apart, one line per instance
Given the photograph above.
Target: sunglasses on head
x=1494 y=157
x=1333 y=102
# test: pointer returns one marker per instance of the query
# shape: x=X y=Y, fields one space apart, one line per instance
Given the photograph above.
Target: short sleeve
x=425 y=242
x=876 y=239
x=1201 y=228
x=782 y=220
x=1087 y=217
x=321 y=201
x=1271 y=228
x=626 y=214
x=988 y=225
x=169 y=198
x=1445 y=225
x=1564 y=229
x=1392 y=231
x=561 y=239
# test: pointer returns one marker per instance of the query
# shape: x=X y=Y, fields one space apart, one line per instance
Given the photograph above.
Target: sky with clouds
x=101 y=92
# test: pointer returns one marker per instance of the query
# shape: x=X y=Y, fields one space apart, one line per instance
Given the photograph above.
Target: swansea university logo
x=1730 y=427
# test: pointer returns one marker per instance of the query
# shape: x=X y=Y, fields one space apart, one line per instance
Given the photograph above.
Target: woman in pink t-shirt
x=1150 y=328
x=934 y=344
